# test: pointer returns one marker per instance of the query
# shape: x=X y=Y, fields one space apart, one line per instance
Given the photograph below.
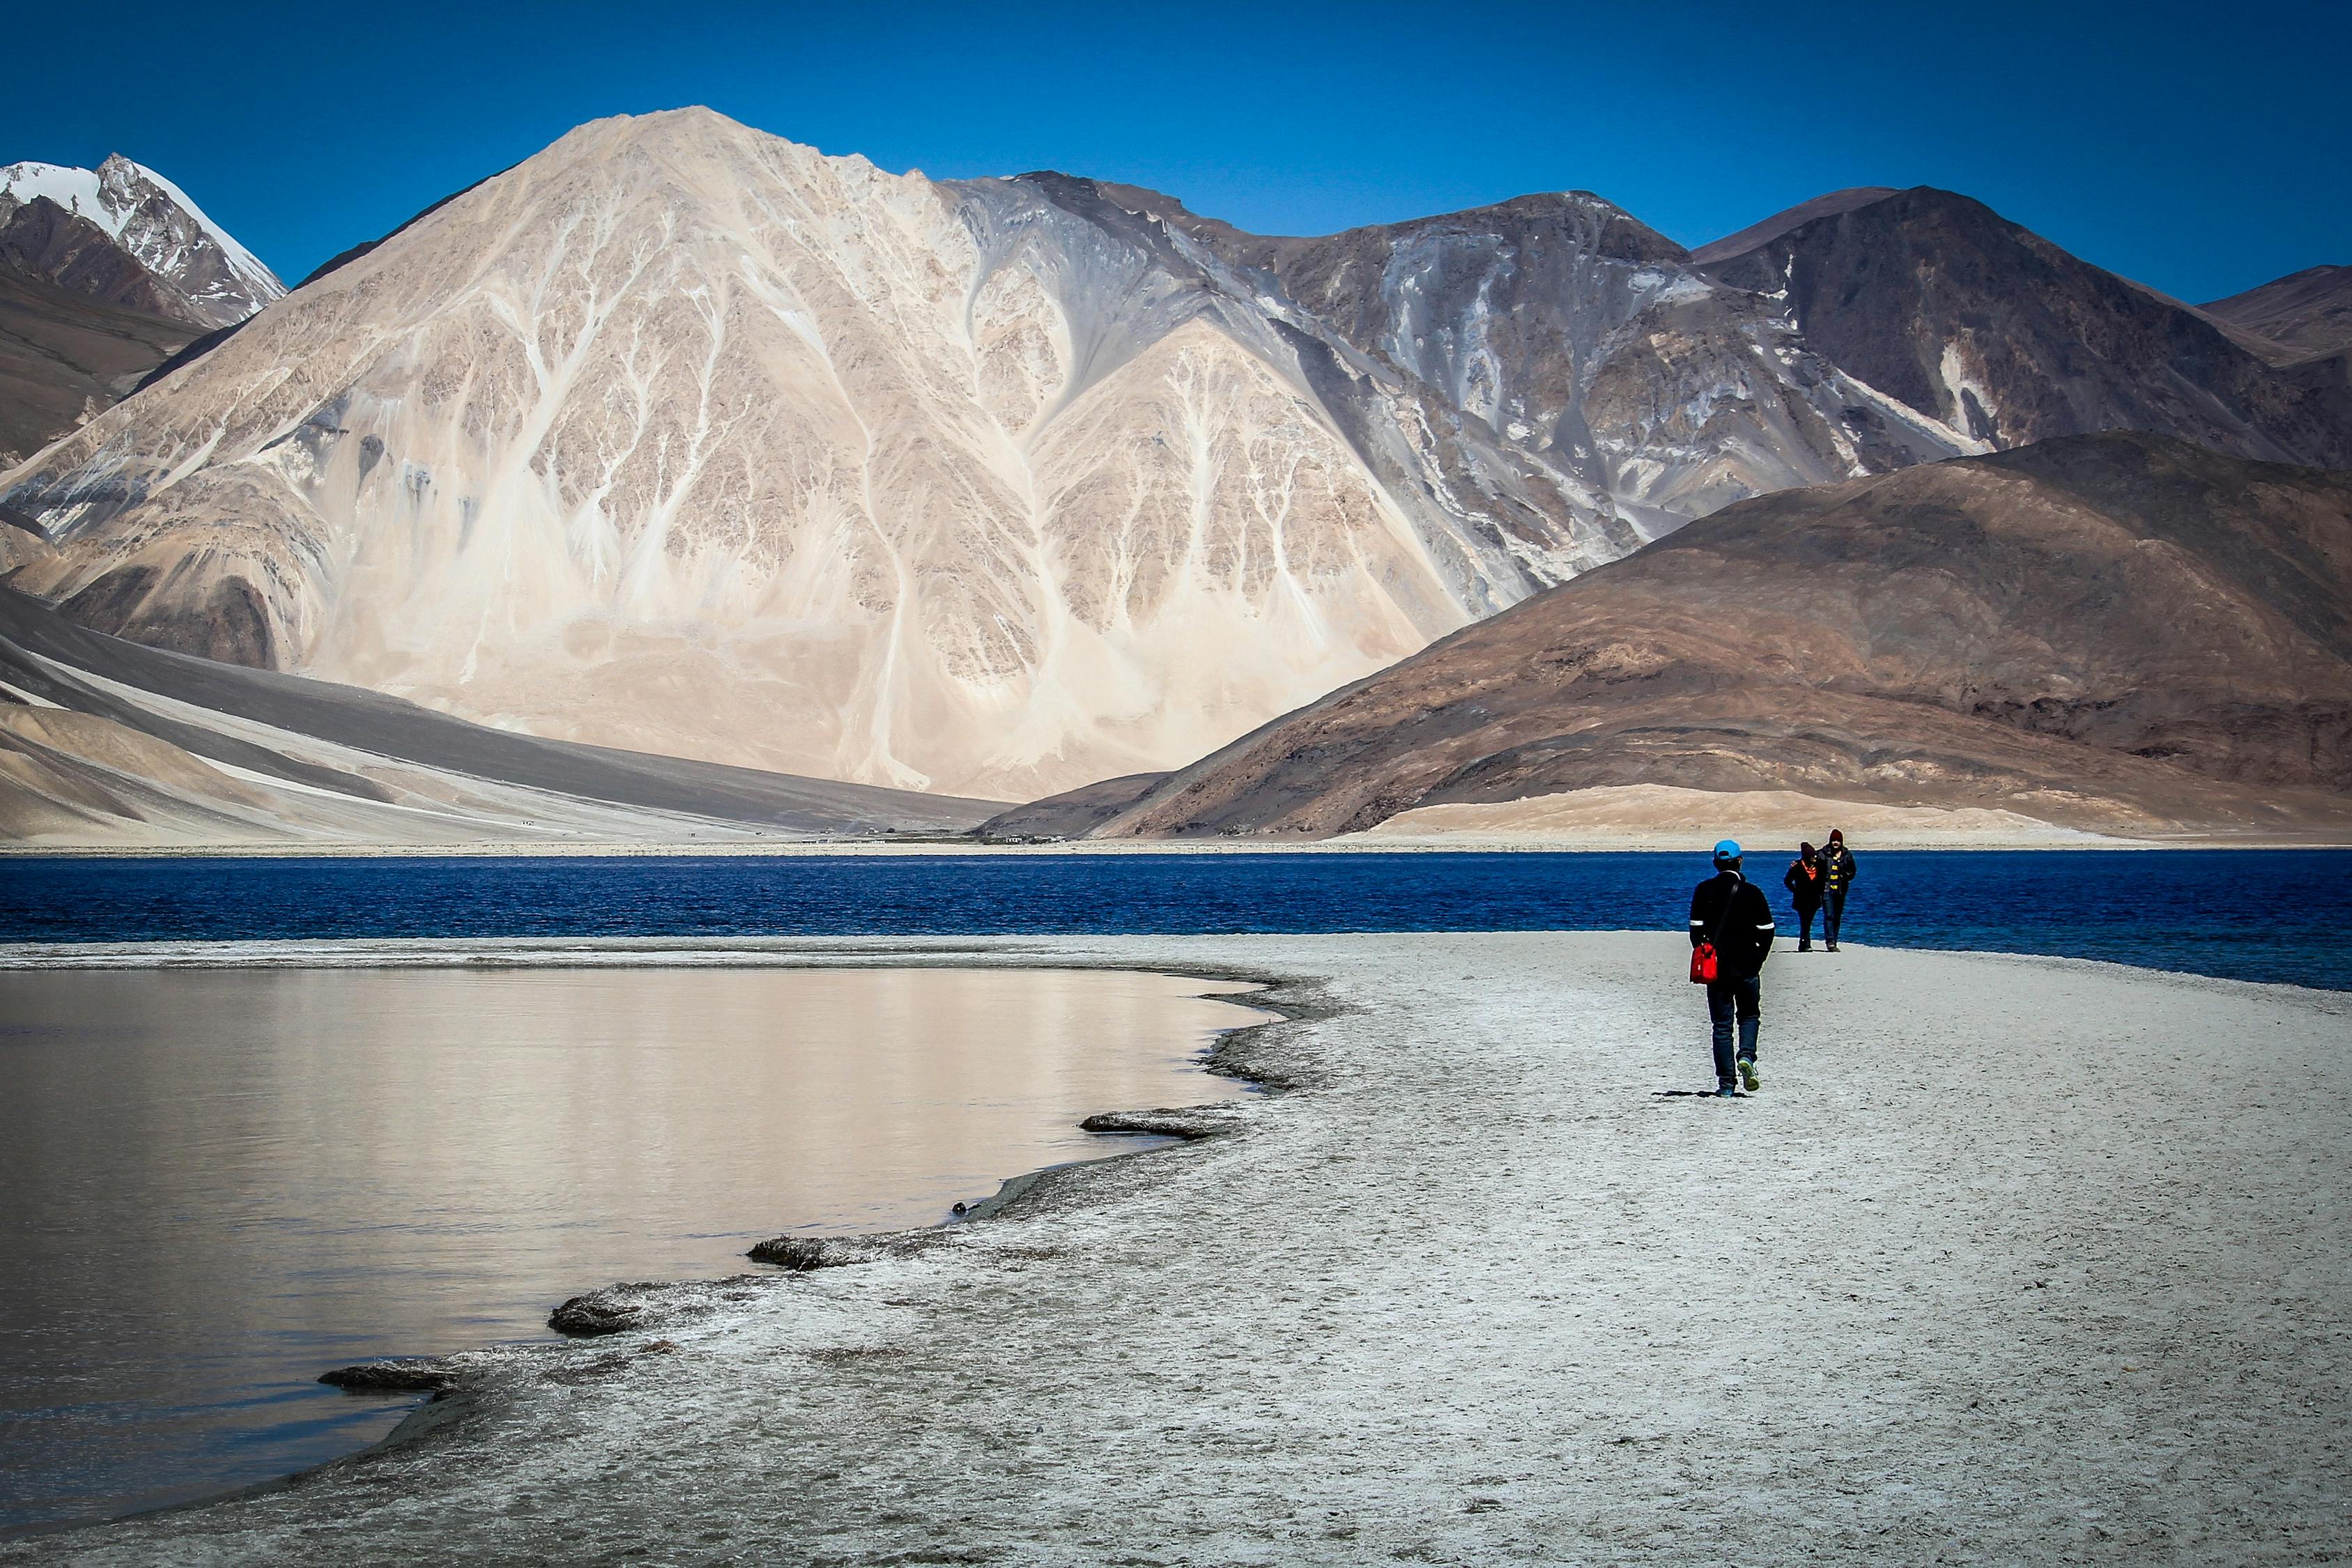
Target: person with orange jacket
x=1804 y=881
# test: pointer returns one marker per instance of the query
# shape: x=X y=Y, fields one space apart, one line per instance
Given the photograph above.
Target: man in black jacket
x=1837 y=880
x=1732 y=912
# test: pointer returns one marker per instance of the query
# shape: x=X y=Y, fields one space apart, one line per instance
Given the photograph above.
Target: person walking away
x=1837 y=880
x=1804 y=880
x=1732 y=915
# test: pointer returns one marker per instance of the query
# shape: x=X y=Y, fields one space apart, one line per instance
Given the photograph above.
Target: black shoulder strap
x=1722 y=916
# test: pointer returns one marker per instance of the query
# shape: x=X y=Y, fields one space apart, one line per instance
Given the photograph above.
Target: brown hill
x=2111 y=631
x=64 y=357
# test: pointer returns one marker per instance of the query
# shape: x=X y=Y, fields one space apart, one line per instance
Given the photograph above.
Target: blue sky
x=2201 y=149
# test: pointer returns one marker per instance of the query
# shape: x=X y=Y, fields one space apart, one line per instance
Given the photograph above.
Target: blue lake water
x=2275 y=915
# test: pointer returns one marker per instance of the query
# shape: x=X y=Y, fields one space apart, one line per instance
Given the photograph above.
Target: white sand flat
x=2011 y=1260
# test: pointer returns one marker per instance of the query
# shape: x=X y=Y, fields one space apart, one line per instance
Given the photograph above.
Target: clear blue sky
x=2201 y=149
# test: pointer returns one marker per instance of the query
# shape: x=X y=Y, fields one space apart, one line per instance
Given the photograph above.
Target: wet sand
x=2012 y=1260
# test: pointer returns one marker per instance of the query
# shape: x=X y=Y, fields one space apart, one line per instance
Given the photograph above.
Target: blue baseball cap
x=1727 y=850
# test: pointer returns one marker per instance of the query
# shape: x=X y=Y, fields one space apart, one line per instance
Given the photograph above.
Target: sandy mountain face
x=1962 y=317
x=2120 y=632
x=125 y=234
x=2304 y=315
x=682 y=437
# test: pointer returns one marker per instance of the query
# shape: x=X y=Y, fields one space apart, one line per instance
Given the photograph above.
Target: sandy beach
x=2011 y=1260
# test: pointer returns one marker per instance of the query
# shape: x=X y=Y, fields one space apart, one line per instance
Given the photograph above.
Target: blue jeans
x=1724 y=999
x=1833 y=912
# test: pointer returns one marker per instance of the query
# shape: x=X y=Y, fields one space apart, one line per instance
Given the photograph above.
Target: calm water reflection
x=220 y=1182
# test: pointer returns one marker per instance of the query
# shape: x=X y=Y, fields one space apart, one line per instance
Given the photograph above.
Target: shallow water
x=2282 y=915
x=220 y=1182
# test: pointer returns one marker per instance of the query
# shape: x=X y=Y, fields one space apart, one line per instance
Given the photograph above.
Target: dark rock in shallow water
x=1193 y=1124
x=407 y=1375
x=616 y=1308
x=806 y=1252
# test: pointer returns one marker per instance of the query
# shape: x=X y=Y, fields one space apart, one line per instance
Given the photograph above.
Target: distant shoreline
x=892 y=848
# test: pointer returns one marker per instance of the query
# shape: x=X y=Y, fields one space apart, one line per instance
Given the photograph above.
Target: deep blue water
x=2284 y=915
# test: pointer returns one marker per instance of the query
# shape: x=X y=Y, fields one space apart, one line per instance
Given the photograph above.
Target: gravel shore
x=2010 y=1260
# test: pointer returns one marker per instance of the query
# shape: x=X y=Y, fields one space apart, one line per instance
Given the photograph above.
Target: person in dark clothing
x=1837 y=880
x=1804 y=880
x=1733 y=914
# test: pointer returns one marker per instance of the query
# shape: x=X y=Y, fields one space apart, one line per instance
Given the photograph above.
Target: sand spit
x=1664 y=816
x=2012 y=1260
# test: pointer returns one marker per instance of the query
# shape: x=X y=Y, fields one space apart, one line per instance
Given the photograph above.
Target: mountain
x=125 y=234
x=104 y=741
x=2119 y=632
x=2306 y=314
x=1963 y=317
x=105 y=276
x=682 y=438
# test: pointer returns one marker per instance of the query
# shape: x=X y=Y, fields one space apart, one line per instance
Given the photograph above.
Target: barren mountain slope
x=683 y=438
x=2308 y=314
x=2118 y=630
x=65 y=357
x=1940 y=302
x=1578 y=337
x=1766 y=230
x=105 y=741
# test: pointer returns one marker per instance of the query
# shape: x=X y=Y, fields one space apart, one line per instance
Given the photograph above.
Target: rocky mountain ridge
x=1966 y=318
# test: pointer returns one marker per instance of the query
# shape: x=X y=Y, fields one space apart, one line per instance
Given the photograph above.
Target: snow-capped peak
x=261 y=283
x=159 y=226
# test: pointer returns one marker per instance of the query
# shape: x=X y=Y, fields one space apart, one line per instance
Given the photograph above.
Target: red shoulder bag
x=1705 y=964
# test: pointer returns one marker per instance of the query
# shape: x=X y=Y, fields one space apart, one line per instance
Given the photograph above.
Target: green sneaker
x=1748 y=1079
